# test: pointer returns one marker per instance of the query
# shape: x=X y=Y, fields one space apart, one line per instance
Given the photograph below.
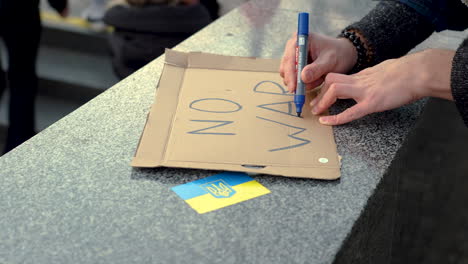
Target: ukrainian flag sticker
x=220 y=190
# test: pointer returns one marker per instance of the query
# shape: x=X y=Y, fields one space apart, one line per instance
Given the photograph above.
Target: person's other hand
x=386 y=86
x=327 y=55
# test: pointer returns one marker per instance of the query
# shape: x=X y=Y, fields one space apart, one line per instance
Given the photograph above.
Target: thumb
x=314 y=71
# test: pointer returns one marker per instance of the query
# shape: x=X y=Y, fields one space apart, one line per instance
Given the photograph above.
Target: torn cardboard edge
x=152 y=148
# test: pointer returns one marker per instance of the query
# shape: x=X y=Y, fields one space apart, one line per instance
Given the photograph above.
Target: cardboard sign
x=232 y=113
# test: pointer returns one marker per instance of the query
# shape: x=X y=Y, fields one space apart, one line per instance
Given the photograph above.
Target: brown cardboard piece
x=233 y=113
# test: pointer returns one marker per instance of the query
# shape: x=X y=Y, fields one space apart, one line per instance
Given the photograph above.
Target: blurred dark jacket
x=58 y=5
x=443 y=14
x=142 y=33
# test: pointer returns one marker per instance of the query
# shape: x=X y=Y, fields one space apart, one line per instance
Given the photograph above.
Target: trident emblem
x=219 y=189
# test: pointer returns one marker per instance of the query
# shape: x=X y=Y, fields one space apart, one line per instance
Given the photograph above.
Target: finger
x=285 y=58
x=317 y=98
x=330 y=79
x=288 y=65
x=350 y=114
x=314 y=84
x=335 y=92
x=281 y=68
x=316 y=70
x=286 y=55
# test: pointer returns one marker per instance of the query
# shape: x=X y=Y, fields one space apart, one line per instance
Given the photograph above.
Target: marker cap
x=303 y=24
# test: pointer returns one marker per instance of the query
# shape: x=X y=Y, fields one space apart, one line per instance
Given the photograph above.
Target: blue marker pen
x=301 y=59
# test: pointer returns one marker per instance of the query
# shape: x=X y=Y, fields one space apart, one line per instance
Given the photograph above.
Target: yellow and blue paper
x=220 y=190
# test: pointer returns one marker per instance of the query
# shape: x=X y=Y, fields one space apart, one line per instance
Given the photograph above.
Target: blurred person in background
x=94 y=13
x=144 y=28
x=20 y=30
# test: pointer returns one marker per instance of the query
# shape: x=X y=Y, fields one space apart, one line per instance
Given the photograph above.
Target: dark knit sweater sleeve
x=392 y=29
x=58 y=5
x=459 y=80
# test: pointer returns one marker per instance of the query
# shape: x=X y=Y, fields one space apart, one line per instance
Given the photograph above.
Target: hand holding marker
x=301 y=59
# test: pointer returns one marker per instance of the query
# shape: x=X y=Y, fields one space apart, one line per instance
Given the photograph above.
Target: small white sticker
x=323 y=160
x=301 y=41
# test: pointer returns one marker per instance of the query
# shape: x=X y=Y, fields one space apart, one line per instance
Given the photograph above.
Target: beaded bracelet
x=362 y=58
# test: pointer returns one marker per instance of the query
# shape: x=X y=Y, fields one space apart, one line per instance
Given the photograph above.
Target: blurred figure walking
x=144 y=28
x=20 y=30
x=94 y=14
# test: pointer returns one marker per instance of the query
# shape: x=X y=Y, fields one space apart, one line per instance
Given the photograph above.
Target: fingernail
x=313 y=102
x=314 y=110
x=324 y=120
x=307 y=76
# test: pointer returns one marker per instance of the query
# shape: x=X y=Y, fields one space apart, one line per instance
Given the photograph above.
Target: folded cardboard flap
x=176 y=58
x=232 y=113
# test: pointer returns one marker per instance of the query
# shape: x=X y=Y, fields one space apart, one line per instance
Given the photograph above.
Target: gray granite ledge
x=69 y=195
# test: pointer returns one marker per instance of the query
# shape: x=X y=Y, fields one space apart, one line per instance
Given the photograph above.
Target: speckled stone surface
x=69 y=195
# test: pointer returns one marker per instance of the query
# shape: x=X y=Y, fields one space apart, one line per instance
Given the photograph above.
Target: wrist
x=348 y=55
x=361 y=48
x=436 y=71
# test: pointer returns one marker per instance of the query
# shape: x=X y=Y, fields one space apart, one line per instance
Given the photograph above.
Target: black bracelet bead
x=360 y=49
